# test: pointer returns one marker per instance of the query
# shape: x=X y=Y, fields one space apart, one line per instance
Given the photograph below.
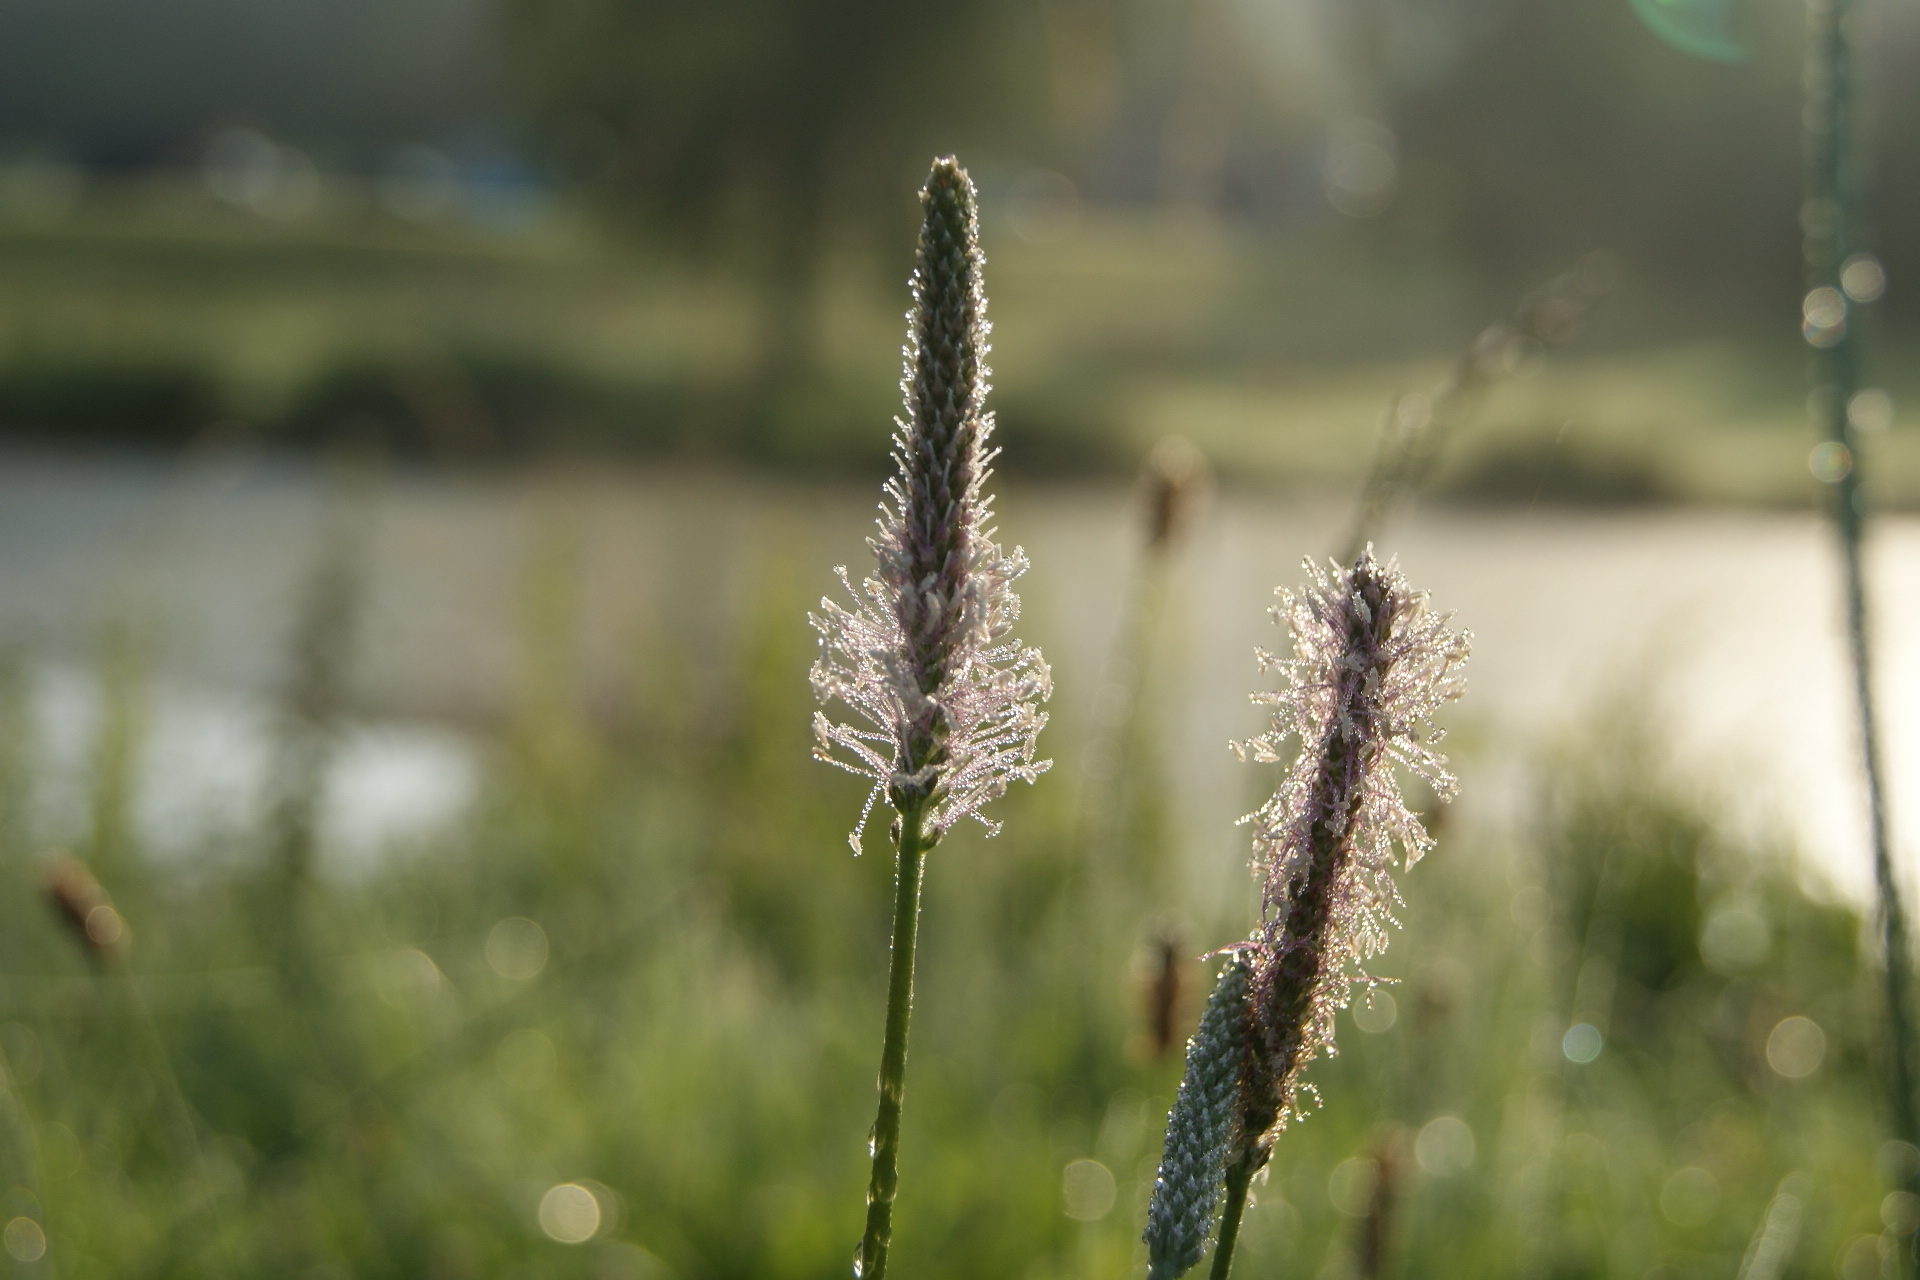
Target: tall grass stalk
x=1120 y=839
x=1418 y=426
x=100 y=929
x=1591 y=983
x=1174 y=487
x=1772 y=1245
x=20 y=1160
x=313 y=697
x=1371 y=665
x=17 y=745
x=1830 y=217
x=114 y=790
x=949 y=703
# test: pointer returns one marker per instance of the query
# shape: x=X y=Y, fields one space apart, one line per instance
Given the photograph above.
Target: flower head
x=85 y=907
x=1371 y=665
x=923 y=657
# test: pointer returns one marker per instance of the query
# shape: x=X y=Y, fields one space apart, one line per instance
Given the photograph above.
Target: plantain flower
x=945 y=702
x=1371 y=664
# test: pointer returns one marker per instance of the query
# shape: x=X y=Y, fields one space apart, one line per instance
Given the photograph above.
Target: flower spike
x=1371 y=664
x=923 y=657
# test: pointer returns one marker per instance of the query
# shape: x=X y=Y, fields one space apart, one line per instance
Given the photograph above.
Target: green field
x=391 y=1074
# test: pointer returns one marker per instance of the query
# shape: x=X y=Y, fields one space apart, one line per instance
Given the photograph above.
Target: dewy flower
x=948 y=702
x=1371 y=665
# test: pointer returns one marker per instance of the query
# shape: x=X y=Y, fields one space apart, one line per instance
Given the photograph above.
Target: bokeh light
x=1824 y=316
x=1830 y=462
x=1043 y=206
x=1796 y=1047
x=1087 y=1190
x=1870 y=411
x=1690 y=1197
x=1351 y=1186
x=517 y=949
x=1735 y=939
x=570 y=1213
x=425 y=427
x=1862 y=278
x=1361 y=170
x=1445 y=1146
x=1375 y=1012
x=24 y=1239
x=1582 y=1043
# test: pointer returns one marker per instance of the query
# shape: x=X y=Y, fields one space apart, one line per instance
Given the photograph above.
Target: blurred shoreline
x=151 y=318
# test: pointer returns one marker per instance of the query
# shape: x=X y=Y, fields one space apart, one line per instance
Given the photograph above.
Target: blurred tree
x=1523 y=133
x=765 y=129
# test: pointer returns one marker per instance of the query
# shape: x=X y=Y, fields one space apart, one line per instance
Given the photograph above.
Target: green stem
x=1834 y=190
x=181 y=1126
x=1892 y=912
x=871 y=1264
x=1239 y=1179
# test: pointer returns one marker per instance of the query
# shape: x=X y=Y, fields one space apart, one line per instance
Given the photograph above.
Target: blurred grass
x=386 y=1077
x=149 y=317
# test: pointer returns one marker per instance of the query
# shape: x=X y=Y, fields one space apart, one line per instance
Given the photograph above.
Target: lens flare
x=1703 y=28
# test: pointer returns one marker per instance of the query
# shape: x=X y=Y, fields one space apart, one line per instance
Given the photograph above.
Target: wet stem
x=1832 y=178
x=1239 y=1179
x=871 y=1262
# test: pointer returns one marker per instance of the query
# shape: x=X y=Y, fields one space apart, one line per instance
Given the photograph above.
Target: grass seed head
x=949 y=703
x=1175 y=484
x=84 y=907
x=1371 y=664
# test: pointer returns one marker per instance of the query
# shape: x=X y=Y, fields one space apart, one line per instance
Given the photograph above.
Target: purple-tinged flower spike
x=950 y=703
x=924 y=658
x=1371 y=665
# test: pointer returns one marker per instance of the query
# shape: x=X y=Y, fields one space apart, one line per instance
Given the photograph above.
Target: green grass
x=375 y=1084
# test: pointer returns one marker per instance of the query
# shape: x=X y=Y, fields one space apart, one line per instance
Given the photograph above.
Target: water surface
x=1723 y=625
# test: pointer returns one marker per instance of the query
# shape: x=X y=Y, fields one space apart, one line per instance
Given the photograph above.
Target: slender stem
x=181 y=1126
x=1239 y=1179
x=1834 y=185
x=871 y=1263
x=1893 y=916
x=1408 y=449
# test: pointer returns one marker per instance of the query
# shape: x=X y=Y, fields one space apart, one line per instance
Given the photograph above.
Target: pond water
x=1721 y=625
